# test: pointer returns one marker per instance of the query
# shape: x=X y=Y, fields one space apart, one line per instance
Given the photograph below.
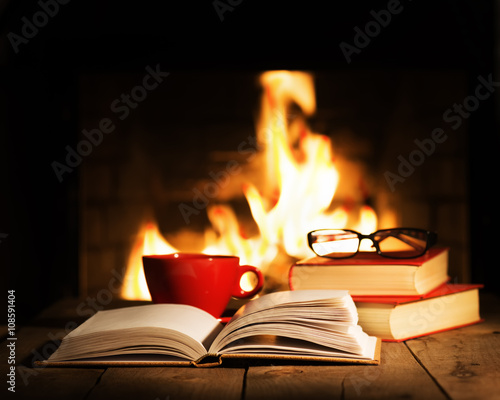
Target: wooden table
x=458 y=364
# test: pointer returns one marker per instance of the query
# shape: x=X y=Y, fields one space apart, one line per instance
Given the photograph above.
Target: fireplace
x=180 y=154
x=411 y=127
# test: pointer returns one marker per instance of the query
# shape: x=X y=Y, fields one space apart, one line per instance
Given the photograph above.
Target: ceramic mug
x=200 y=280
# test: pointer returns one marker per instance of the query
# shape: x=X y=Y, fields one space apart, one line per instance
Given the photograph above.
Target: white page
x=303 y=304
x=188 y=320
x=288 y=346
x=350 y=340
x=271 y=305
x=285 y=297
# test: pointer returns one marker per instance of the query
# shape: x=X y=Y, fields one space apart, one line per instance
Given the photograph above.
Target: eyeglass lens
x=336 y=243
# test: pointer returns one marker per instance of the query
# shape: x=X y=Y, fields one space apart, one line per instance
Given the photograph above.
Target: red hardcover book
x=367 y=273
x=398 y=318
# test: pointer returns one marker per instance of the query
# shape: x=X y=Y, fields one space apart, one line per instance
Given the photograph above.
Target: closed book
x=367 y=273
x=396 y=318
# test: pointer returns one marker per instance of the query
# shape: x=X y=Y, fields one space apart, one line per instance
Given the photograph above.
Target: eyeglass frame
x=431 y=241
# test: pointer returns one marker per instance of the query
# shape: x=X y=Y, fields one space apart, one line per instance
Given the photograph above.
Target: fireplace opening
x=203 y=161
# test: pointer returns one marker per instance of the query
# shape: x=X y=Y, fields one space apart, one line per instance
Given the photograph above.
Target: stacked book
x=396 y=299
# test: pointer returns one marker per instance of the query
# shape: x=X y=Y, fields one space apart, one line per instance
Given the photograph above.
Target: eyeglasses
x=391 y=243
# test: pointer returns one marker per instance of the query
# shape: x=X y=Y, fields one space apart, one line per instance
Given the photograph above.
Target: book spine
x=208 y=360
x=290 y=272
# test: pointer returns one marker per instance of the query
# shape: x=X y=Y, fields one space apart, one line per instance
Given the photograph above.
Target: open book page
x=325 y=318
x=298 y=297
x=171 y=329
x=279 y=345
x=328 y=304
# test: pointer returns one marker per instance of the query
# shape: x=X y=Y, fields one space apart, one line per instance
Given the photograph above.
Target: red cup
x=200 y=280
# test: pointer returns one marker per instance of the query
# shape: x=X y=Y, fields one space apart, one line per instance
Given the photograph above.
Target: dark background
x=39 y=102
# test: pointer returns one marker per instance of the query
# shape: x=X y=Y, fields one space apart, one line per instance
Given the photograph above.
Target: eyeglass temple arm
x=432 y=239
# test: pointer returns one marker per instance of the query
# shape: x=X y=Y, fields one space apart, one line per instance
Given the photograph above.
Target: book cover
x=209 y=360
x=443 y=290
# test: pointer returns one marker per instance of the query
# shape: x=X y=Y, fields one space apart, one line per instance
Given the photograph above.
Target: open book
x=303 y=325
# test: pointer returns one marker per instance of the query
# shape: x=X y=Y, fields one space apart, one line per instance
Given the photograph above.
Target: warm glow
x=150 y=242
x=302 y=176
x=227 y=238
x=295 y=198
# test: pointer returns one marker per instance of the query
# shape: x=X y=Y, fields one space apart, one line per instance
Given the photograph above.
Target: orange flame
x=150 y=242
x=296 y=197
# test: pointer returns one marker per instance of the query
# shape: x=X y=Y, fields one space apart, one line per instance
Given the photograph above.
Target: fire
x=150 y=242
x=295 y=198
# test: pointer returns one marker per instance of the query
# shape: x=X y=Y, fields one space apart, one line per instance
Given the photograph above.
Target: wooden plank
x=294 y=382
x=398 y=376
x=170 y=383
x=74 y=311
x=33 y=344
x=71 y=307
x=465 y=362
x=59 y=383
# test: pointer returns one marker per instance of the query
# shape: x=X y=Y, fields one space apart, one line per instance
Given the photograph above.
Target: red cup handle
x=243 y=294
